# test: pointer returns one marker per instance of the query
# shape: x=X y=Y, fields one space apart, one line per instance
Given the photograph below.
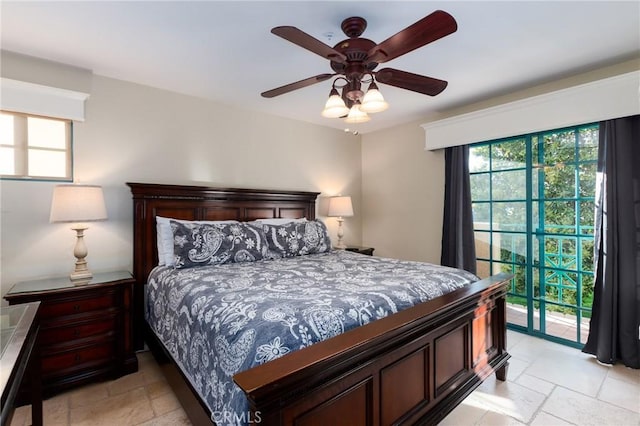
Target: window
x=33 y=147
x=533 y=208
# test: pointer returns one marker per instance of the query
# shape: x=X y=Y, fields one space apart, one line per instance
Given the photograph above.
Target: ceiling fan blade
x=414 y=82
x=297 y=85
x=304 y=40
x=428 y=29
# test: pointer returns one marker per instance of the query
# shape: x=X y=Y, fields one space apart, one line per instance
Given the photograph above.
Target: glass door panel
x=533 y=206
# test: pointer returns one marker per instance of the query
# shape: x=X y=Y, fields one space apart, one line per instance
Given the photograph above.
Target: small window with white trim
x=34 y=147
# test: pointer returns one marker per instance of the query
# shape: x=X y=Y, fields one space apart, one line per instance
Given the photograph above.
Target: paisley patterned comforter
x=219 y=320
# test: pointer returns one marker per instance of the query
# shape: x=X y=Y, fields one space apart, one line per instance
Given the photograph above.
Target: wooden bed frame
x=411 y=367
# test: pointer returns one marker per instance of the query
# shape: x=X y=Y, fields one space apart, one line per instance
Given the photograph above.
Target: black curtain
x=615 y=322
x=458 y=244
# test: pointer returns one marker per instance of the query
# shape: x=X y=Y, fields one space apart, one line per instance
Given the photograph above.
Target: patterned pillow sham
x=198 y=244
x=164 y=237
x=296 y=238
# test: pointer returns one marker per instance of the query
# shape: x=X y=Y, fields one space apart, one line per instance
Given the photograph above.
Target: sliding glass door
x=533 y=213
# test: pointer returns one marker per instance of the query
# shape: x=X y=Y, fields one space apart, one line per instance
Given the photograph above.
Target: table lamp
x=340 y=207
x=78 y=204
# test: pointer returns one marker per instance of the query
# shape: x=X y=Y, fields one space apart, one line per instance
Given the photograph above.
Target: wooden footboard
x=411 y=367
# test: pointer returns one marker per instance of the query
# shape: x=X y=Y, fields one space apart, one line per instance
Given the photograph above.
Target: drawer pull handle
x=76 y=332
x=77 y=357
x=76 y=307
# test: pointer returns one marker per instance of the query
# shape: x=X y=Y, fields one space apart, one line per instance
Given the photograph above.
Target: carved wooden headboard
x=200 y=203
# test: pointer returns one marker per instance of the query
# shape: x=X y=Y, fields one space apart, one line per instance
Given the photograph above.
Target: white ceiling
x=225 y=51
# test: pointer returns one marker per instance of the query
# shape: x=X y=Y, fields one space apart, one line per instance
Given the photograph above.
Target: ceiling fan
x=355 y=59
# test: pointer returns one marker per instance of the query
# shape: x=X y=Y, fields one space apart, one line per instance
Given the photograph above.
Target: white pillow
x=279 y=220
x=164 y=237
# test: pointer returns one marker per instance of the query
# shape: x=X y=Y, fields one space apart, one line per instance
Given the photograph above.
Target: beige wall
x=141 y=134
x=47 y=73
x=402 y=192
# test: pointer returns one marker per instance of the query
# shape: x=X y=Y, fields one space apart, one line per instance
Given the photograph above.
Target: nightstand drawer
x=52 y=309
x=78 y=358
x=52 y=336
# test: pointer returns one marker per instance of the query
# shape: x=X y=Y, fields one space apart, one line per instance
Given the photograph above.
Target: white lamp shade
x=77 y=203
x=373 y=102
x=335 y=106
x=356 y=115
x=340 y=207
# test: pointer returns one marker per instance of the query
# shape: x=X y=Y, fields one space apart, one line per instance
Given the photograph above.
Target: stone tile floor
x=548 y=384
x=141 y=398
x=552 y=384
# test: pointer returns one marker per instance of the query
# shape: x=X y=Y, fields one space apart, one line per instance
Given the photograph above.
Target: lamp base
x=341 y=245
x=81 y=274
x=80 y=277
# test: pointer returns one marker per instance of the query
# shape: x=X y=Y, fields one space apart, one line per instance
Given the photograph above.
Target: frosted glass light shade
x=335 y=106
x=373 y=101
x=356 y=115
x=340 y=206
x=77 y=203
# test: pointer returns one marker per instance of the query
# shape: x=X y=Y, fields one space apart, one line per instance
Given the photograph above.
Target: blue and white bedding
x=219 y=320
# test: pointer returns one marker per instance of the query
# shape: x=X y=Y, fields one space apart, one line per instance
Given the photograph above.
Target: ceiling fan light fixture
x=354 y=60
x=356 y=115
x=373 y=100
x=335 y=106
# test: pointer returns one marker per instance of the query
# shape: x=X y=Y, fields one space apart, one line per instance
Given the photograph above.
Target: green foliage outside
x=563 y=176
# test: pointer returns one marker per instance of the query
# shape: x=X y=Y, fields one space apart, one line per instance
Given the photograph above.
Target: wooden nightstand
x=362 y=250
x=86 y=332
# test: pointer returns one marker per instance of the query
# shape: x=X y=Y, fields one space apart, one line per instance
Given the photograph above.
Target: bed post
x=138 y=271
x=501 y=373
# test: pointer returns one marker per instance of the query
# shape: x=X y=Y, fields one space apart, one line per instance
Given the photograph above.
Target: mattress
x=219 y=320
